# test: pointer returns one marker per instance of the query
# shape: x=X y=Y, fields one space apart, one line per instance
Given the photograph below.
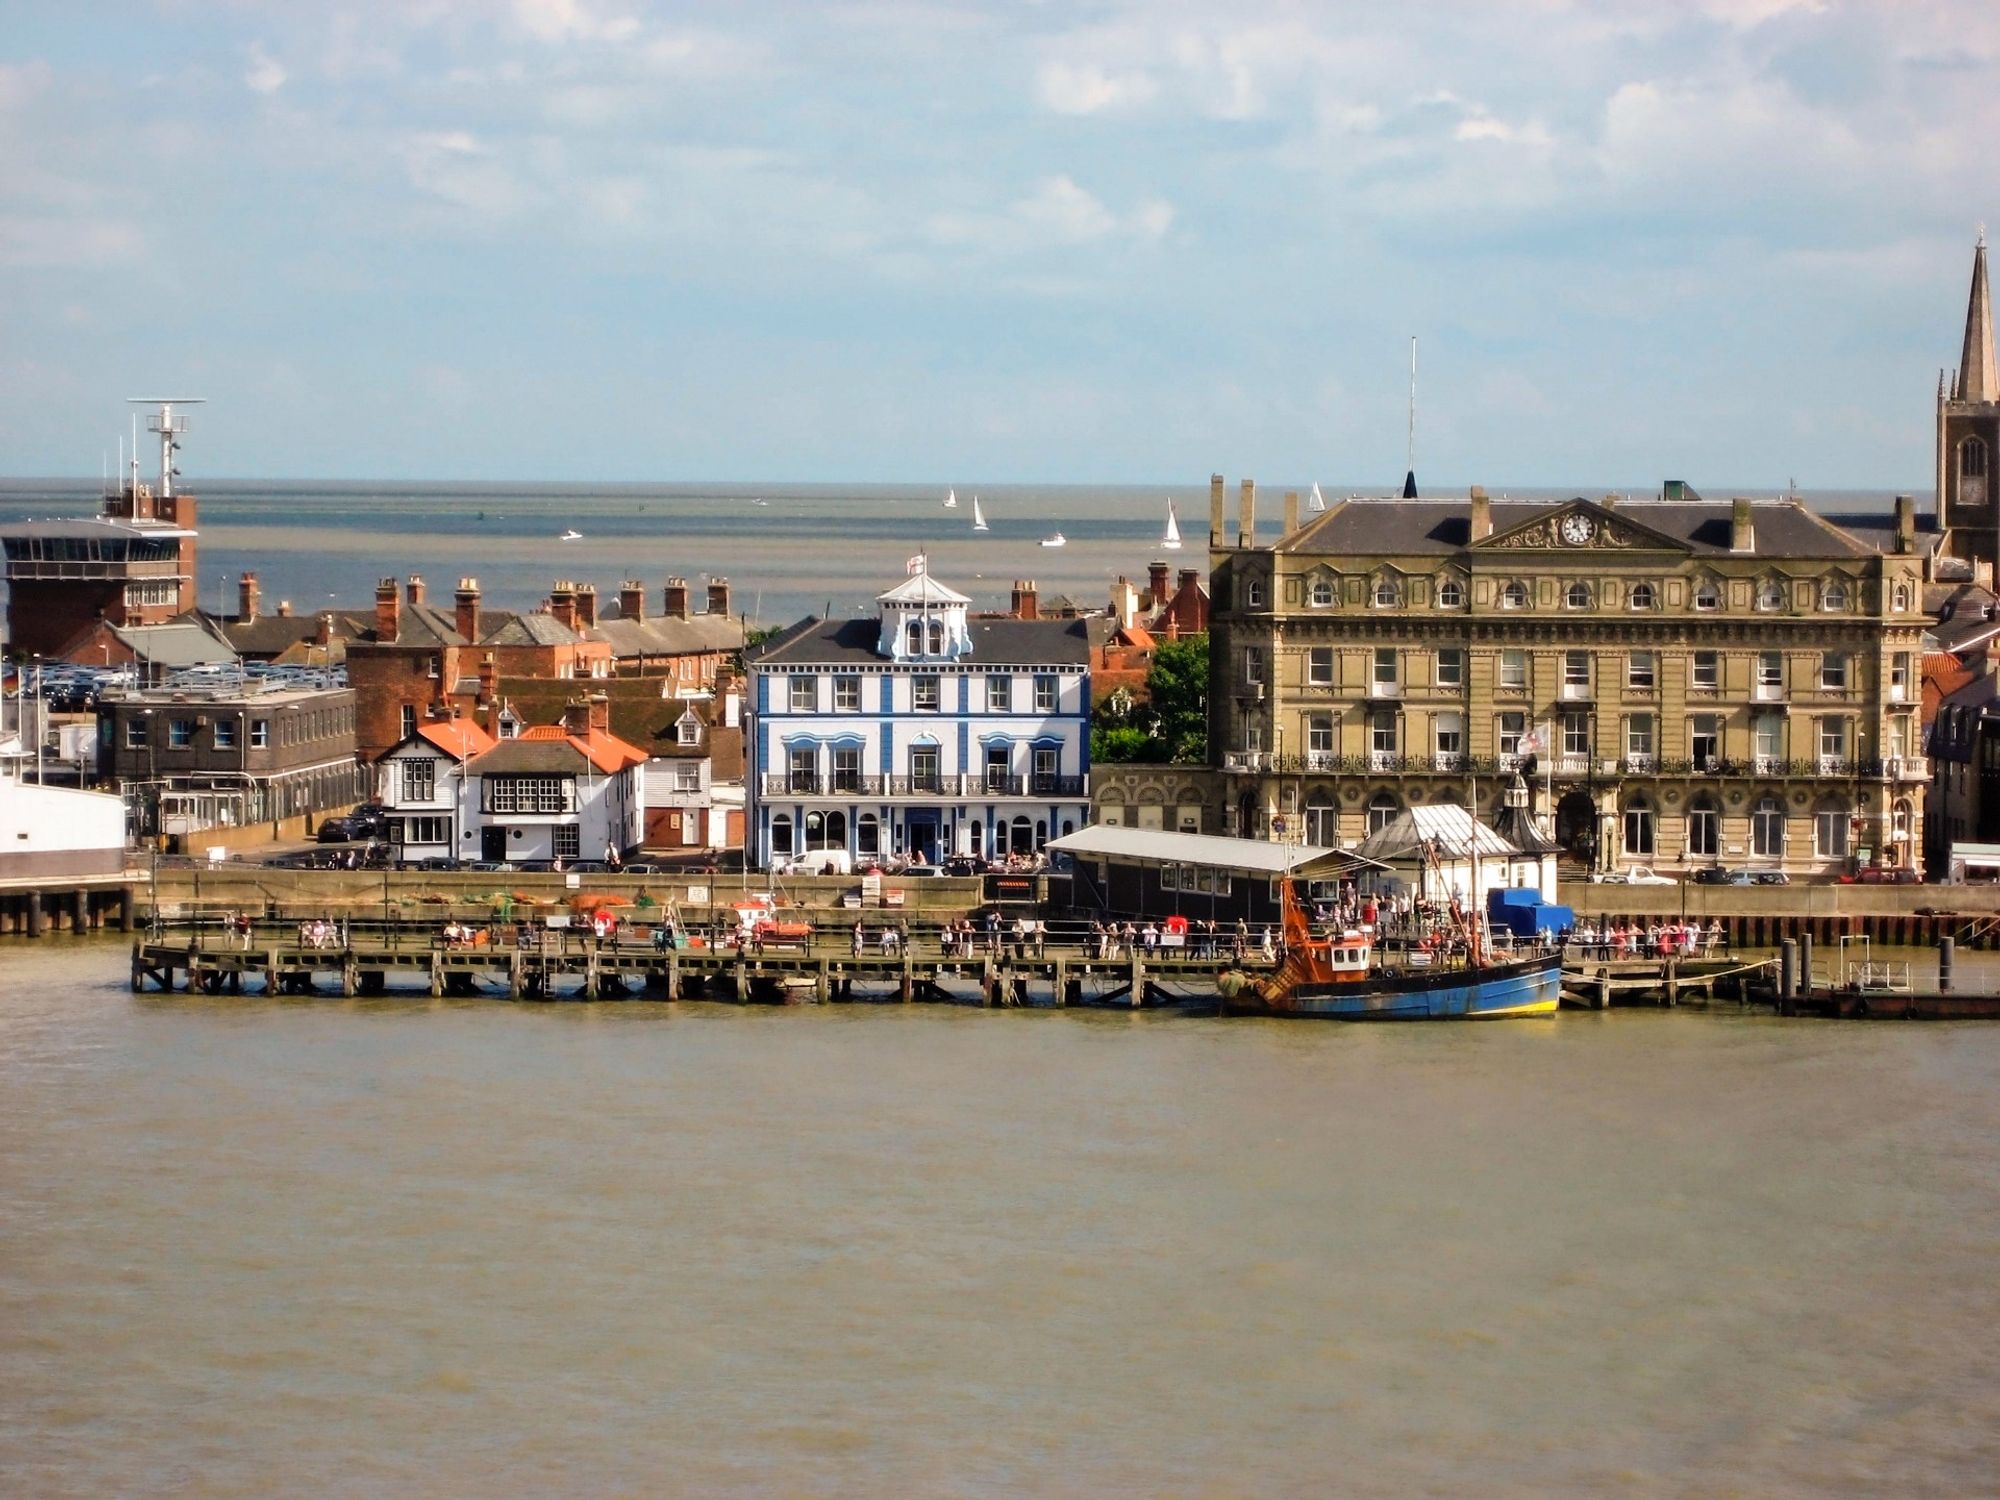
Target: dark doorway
x=1576 y=826
x=492 y=843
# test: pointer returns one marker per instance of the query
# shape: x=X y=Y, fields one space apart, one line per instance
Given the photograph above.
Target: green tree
x=1177 y=690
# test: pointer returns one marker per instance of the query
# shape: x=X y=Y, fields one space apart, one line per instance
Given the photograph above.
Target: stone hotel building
x=1687 y=682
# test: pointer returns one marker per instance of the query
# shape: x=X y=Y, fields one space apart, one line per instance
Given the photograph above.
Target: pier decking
x=383 y=958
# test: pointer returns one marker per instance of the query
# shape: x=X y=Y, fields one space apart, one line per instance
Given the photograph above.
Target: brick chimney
x=1906 y=524
x=1156 y=584
x=600 y=712
x=1246 y=514
x=674 y=601
x=1481 y=515
x=1742 y=528
x=323 y=629
x=586 y=606
x=1216 y=501
x=1188 y=578
x=284 y=609
x=1027 y=604
x=576 y=716
x=562 y=603
x=247 y=595
x=1291 y=512
x=467 y=602
x=1124 y=603
x=718 y=596
x=631 y=600
x=413 y=591
x=489 y=678
x=388 y=610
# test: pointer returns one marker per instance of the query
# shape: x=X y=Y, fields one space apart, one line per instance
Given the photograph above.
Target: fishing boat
x=951 y=499
x=978 y=516
x=1172 y=540
x=1058 y=540
x=1318 y=500
x=1348 y=976
x=571 y=536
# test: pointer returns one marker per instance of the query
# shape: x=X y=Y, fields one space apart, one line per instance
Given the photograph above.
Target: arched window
x=1767 y=828
x=936 y=638
x=1382 y=810
x=1644 y=596
x=1024 y=837
x=1770 y=594
x=1322 y=593
x=1639 y=828
x=1451 y=594
x=1577 y=595
x=1514 y=595
x=781 y=834
x=1387 y=594
x=1253 y=595
x=1708 y=595
x=1833 y=594
x=1704 y=828
x=1972 y=458
x=1830 y=829
x=916 y=635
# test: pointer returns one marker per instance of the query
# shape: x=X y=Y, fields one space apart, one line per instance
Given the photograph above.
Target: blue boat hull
x=1528 y=987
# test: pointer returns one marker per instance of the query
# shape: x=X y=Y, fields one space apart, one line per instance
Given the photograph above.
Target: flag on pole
x=915 y=564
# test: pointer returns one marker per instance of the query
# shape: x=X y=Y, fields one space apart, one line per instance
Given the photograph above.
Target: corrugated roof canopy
x=1445 y=829
x=1208 y=851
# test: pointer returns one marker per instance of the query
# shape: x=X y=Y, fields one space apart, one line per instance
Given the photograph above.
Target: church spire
x=1977 y=378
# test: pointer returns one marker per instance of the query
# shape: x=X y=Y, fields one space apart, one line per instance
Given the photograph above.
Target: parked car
x=1881 y=875
x=1714 y=875
x=1770 y=877
x=535 y=866
x=1634 y=875
x=591 y=867
x=490 y=866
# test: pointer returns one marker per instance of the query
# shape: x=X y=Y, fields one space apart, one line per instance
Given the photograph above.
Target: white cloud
x=1086 y=89
x=1060 y=210
x=1745 y=14
x=454 y=167
x=571 y=20
x=50 y=242
x=265 y=74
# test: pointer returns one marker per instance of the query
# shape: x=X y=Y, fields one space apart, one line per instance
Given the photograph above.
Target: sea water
x=421 y=1247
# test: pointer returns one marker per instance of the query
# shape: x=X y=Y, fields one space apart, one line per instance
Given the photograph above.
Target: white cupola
x=922 y=620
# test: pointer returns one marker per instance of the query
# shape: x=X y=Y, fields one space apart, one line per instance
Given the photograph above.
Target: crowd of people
x=1623 y=939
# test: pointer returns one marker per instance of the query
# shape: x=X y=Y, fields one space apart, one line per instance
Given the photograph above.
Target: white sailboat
x=572 y=535
x=1172 y=540
x=951 y=499
x=1318 y=500
x=978 y=516
x=1058 y=540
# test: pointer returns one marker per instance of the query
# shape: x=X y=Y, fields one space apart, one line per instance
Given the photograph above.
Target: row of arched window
x=1387 y=592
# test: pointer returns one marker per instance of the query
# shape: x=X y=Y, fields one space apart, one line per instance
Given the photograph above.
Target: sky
x=1722 y=240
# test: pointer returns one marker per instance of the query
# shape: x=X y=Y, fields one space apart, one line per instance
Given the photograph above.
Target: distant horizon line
x=1391 y=491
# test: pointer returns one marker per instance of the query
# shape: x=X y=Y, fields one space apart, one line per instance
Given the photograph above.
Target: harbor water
x=413 y=1247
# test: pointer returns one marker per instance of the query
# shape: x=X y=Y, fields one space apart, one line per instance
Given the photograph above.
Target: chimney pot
x=586 y=606
x=1156 y=584
x=576 y=717
x=284 y=609
x=1026 y=602
x=674 y=602
x=718 y=596
x=388 y=611
x=466 y=613
x=247 y=595
x=632 y=600
x=415 y=589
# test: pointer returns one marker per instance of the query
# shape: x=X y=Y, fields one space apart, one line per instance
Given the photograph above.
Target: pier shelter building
x=921 y=733
x=1685 y=682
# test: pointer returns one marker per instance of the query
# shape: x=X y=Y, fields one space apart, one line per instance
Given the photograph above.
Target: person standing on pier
x=860 y=938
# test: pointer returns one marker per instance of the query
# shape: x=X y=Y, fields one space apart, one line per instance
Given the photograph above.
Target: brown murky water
x=435 y=1248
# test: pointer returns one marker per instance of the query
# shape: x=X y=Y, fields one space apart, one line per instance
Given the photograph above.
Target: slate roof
x=1784 y=528
x=270 y=636
x=190 y=641
x=668 y=636
x=994 y=642
x=639 y=716
x=921 y=588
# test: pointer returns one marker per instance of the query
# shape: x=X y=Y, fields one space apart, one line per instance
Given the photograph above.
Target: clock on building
x=1578 y=529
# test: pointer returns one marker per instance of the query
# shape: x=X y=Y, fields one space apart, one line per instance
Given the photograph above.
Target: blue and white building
x=922 y=733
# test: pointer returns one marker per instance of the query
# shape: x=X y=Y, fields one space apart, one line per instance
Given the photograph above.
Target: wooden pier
x=548 y=965
x=1592 y=983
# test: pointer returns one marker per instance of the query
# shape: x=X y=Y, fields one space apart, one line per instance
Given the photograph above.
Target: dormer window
x=1708 y=595
x=1451 y=594
x=1253 y=595
x=1387 y=595
x=1577 y=595
x=1833 y=594
x=1770 y=594
x=1644 y=596
x=1322 y=593
x=1514 y=594
x=690 y=730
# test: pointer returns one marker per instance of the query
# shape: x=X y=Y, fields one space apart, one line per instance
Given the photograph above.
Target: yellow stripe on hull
x=1532 y=1008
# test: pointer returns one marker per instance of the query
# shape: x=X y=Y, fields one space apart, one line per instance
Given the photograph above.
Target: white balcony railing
x=1319 y=760
x=1246 y=760
x=1639 y=765
x=1381 y=760
x=1448 y=760
x=1572 y=765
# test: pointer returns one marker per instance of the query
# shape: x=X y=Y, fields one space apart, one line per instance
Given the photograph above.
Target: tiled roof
x=458 y=738
x=994 y=642
x=668 y=636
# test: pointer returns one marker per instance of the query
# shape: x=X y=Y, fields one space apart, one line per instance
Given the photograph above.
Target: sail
x=951 y=499
x=1172 y=539
x=978 y=516
x=1318 y=500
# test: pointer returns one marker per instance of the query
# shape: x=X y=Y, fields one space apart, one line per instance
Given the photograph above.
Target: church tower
x=1968 y=437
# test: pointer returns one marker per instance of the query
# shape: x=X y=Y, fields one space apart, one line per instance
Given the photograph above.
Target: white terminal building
x=922 y=733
